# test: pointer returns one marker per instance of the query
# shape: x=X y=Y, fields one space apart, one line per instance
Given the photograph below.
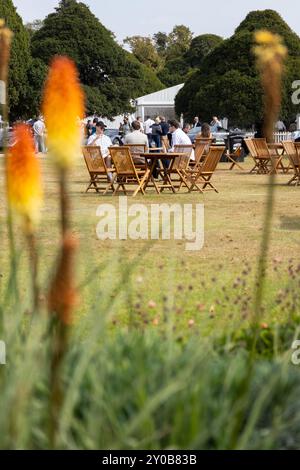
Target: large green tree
x=20 y=60
x=111 y=76
x=179 y=41
x=144 y=50
x=161 y=42
x=200 y=47
x=173 y=48
x=228 y=82
x=174 y=72
x=179 y=69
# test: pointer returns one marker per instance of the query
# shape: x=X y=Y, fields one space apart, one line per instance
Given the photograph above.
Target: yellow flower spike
x=270 y=53
x=63 y=104
x=24 y=185
x=269 y=48
x=6 y=36
x=266 y=37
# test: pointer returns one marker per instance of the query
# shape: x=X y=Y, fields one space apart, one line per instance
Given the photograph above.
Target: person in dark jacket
x=196 y=122
x=164 y=126
x=259 y=130
x=156 y=132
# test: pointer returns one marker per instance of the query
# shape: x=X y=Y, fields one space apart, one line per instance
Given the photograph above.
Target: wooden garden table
x=152 y=159
x=279 y=155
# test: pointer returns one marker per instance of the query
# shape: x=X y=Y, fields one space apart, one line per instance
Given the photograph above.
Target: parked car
x=114 y=135
x=193 y=132
x=296 y=136
x=220 y=136
x=8 y=129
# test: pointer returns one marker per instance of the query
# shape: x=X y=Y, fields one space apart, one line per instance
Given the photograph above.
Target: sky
x=145 y=17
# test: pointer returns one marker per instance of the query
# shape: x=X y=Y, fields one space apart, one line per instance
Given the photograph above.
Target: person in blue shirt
x=94 y=126
x=215 y=124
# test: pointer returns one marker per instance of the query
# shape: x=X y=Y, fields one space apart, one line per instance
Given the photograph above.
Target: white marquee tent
x=160 y=103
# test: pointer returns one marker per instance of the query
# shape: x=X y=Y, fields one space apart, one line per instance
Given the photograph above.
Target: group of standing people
x=156 y=129
x=214 y=126
x=149 y=133
x=152 y=131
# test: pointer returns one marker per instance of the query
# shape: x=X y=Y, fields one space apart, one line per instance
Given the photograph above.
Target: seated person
x=101 y=140
x=205 y=132
x=186 y=128
x=136 y=137
x=179 y=137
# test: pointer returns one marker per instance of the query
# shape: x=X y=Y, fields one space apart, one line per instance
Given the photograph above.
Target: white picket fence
x=282 y=136
x=278 y=136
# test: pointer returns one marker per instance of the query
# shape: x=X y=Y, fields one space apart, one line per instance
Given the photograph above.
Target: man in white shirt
x=148 y=129
x=103 y=141
x=280 y=126
x=179 y=137
x=39 y=135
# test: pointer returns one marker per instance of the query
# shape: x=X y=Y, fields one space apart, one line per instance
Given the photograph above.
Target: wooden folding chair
x=260 y=166
x=292 y=149
x=297 y=147
x=277 y=157
x=136 y=150
x=165 y=143
x=234 y=157
x=204 y=140
x=180 y=164
x=202 y=176
x=126 y=172
x=264 y=156
x=185 y=148
x=252 y=152
x=200 y=149
x=99 y=173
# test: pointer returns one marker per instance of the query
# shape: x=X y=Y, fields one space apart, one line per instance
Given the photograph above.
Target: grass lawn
x=160 y=355
x=145 y=283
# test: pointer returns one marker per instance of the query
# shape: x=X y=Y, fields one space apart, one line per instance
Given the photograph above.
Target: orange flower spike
x=24 y=185
x=63 y=296
x=63 y=106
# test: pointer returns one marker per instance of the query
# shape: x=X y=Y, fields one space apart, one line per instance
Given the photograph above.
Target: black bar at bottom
x=138 y=459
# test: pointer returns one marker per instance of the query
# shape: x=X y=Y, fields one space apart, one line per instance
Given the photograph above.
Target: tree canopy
x=161 y=42
x=200 y=47
x=228 y=83
x=110 y=75
x=20 y=59
x=182 y=59
x=173 y=48
x=144 y=50
x=179 y=41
